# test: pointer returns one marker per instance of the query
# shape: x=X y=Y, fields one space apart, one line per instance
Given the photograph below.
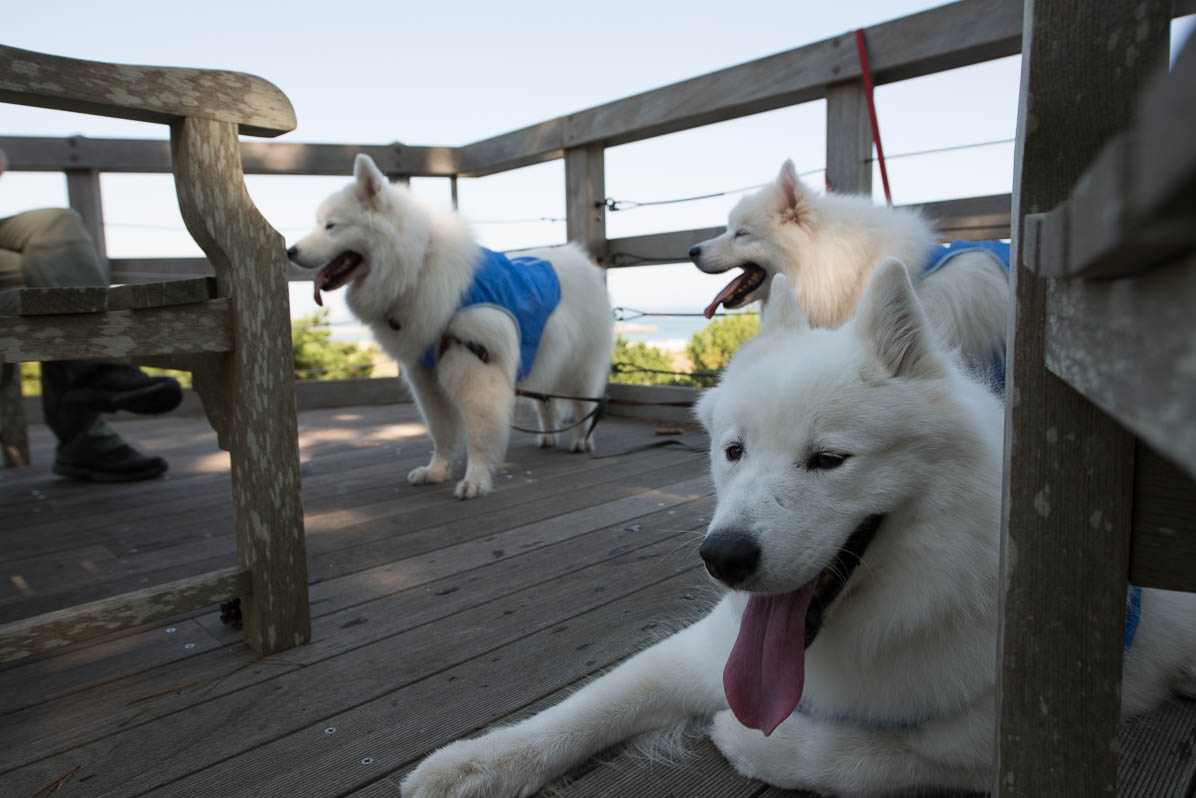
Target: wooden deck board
x=424 y=611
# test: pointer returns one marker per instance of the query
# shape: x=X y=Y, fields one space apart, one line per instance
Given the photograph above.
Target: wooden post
x=1068 y=467
x=254 y=384
x=14 y=438
x=83 y=193
x=585 y=198
x=848 y=139
x=453 y=189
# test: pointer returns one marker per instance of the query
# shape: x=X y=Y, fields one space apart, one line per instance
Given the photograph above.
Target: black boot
x=100 y=455
x=107 y=388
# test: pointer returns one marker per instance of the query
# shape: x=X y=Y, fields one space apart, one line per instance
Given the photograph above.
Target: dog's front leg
x=443 y=420
x=674 y=680
x=845 y=758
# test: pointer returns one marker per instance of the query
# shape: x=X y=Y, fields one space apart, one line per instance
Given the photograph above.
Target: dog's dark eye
x=329 y=225
x=733 y=452
x=740 y=233
x=825 y=461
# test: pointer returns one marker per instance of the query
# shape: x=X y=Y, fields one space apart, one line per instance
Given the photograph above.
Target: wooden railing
x=943 y=38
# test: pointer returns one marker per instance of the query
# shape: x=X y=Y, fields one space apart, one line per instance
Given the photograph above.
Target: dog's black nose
x=730 y=557
x=292 y=252
x=695 y=252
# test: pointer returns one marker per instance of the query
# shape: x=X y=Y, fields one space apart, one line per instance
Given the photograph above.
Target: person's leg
x=54 y=251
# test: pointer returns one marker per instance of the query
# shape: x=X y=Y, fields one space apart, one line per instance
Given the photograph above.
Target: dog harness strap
x=1133 y=612
x=527 y=289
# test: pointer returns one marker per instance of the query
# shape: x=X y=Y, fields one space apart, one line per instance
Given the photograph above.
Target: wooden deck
x=432 y=618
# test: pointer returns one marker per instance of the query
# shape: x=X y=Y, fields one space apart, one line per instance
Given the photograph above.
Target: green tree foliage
x=640 y=355
x=318 y=357
x=711 y=348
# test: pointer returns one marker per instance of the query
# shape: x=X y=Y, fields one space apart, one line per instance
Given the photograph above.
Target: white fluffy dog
x=858 y=479
x=542 y=322
x=828 y=246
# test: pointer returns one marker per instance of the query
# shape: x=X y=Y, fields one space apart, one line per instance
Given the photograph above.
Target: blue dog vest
x=941 y=254
x=526 y=288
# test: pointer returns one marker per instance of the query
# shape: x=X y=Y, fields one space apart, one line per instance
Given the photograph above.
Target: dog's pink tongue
x=726 y=292
x=765 y=674
x=319 y=283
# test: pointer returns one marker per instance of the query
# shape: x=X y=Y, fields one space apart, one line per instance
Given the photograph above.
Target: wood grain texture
x=950 y=36
x=83 y=194
x=118 y=334
x=53 y=154
x=585 y=199
x=256 y=380
x=1127 y=346
x=54 y=301
x=144 y=93
x=14 y=438
x=848 y=139
x=43 y=633
x=1164 y=543
x=1068 y=467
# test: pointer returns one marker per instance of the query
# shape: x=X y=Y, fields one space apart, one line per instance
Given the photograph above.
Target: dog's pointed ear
x=893 y=324
x=782 y=312
x=370 y=180
x=793 y=193
x=704 y=409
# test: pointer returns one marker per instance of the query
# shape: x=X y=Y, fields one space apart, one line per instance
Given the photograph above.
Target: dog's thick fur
x=413 y=265
x=813 y=431
x=828 y=246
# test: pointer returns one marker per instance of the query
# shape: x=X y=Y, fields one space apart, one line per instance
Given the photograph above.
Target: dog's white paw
x=479 y=768
x=582 y=445
x=431 y=474
x=546 y=440
x=471 y=489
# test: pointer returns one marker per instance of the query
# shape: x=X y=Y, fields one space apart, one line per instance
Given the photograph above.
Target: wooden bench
x=232 y=332
x=1101 y=413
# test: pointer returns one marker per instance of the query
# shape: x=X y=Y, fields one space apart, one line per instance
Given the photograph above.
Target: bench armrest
x=144 y=93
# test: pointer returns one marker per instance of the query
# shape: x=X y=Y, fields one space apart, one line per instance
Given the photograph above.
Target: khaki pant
x=50 y=248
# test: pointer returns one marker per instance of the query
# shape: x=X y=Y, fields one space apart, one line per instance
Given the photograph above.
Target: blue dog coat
x=941 y=254
x=527 y=289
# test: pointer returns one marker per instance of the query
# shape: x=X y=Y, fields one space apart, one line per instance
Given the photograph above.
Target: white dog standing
x=829 y=246
x=410 y=268
x=858 y=479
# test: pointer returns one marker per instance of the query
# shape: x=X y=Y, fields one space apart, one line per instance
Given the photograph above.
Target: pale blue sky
x=454 y=72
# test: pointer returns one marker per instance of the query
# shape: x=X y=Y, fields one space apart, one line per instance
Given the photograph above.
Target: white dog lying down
x=858 y=478
x=466 y=324
x=830 y=245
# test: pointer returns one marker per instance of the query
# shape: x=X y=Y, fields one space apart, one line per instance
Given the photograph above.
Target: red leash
x=866 y=73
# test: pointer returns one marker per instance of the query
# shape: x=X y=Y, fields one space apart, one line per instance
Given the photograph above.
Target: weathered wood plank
x=1109 y=339
x=83 y=194
x=50 y=154
x=1164 y=158
x=46 y=632
x=1164 y=541
x=144 y=93
x=950 y=36
x=848 y=139
x=14 y=437
x=585 y=199
x=249 y=395
x=121 y=333
x=1063 y=609
x=82 y=299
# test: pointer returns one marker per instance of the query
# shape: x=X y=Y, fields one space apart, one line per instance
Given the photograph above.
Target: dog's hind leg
x=443 y=421
x=674 y=680
x=476 y=368
x=546 y=412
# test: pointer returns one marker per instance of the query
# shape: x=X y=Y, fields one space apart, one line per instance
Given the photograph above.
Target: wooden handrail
x=144 y=93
